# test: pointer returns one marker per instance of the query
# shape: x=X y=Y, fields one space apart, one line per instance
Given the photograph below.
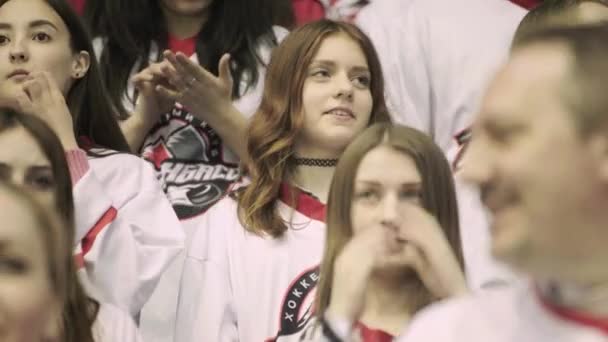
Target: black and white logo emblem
x=187 y=155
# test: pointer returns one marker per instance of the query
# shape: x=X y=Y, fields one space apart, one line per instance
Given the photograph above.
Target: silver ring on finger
x=190 y=82
x=187 y=87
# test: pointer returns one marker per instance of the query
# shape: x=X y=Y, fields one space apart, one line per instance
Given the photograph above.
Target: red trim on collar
x=574 y=316
x=186 y=46
x=373 y=335
x=527 y=4
x=306 y=204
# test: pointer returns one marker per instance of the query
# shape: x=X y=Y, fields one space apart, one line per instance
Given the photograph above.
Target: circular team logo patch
x=187 y=156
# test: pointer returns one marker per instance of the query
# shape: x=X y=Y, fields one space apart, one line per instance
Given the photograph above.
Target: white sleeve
x=205 y=310
x=481 y=269
x=124 y=245
x=113 y=325
x=431 y=324
x=404 y=60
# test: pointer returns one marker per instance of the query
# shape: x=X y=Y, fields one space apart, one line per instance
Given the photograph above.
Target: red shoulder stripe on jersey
x=373 y=335
x=567 y=314
x=89 y=239
x=305 y=204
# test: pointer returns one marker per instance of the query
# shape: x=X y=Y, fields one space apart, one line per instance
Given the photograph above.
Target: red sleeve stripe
x=89 y=239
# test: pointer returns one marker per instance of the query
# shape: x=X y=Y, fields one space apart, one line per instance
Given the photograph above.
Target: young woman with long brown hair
x=32 y=269
x=37 y=164
x=253 y=265
x=184 y=103
x=126 y=231
x=393 y=238
x=185 y=76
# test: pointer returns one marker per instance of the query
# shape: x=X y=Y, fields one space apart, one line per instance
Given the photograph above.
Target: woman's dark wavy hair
x=80 y=311
x=88 y=100
x=129 y=28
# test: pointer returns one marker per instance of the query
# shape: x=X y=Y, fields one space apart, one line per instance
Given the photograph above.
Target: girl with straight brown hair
x=393 y=238
x=33 y=278
x=37 y=164
x=126 y=231
x=252 y=266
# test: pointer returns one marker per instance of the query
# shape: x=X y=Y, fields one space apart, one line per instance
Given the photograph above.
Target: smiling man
x=540 y=157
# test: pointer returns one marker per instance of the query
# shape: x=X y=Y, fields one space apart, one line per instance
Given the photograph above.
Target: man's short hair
x=585 y=84
x=552 y=13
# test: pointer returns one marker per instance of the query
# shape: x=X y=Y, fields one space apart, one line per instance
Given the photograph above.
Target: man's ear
x=80 y=64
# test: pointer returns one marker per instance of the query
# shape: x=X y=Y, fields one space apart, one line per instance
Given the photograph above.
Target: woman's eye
x=367 y=195
x=411 y=195
x=41 y=37
x=320 y=73
x=12 y=265
x=4 y=40
x=362 y=81
x=41 y=182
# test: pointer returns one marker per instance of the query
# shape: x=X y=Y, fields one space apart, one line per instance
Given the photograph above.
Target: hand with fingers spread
x=207 y=97
x=197 y=89
x=39 y=95
x=427 y=250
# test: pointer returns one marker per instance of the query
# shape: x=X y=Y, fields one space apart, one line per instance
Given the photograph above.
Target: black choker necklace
x=316 y=162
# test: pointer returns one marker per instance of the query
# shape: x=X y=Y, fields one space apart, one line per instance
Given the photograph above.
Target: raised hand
x=39 y=95
x=152 y=103
x=354 y=266
x=418 y=242
x=429 y=253
x=204 y=94
x=207 y=97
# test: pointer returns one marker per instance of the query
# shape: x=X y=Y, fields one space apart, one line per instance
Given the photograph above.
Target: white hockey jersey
x=481 y=269
x=238 y=286
x=513 y=314
x=196 y=170
x=113 y=325
x=126 y=231
x=193 y=164
x=437 y=56
x=191 y=161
